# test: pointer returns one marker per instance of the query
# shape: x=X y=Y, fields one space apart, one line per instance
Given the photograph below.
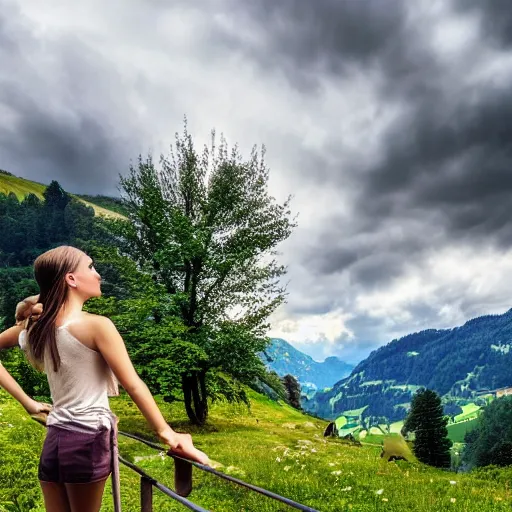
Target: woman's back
x=81 y=385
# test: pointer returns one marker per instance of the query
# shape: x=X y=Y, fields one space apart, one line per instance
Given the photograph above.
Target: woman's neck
x=71 y=308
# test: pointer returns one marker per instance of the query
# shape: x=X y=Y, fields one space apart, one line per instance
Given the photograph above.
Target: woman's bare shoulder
x=95 y=321
x=89 y=329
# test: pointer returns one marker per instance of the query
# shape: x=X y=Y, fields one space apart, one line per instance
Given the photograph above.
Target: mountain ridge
x=458 y=363
x=311 y=374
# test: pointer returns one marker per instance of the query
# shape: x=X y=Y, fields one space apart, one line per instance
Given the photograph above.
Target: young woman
x=83 y=356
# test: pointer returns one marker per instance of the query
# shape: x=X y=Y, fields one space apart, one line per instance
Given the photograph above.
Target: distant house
x=503 y=392
x=496 y=392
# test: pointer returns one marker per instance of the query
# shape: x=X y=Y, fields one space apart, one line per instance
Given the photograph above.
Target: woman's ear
x=70 y=280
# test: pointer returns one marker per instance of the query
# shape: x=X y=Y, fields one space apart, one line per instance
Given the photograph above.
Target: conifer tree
x=426 y=419
x=292 y=388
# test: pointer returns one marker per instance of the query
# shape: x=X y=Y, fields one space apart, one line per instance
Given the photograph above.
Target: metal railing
x=147 y=482
x=146 y=490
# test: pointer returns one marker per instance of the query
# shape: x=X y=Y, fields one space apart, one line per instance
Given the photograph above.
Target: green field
x=22 y=187
x=469 y=412
x=457 y=431
x=273 y=446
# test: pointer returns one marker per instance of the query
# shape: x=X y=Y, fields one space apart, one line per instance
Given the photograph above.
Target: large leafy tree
x=205 y=227
x=426 y=419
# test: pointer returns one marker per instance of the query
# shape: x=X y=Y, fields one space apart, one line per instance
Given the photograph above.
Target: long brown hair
x=50 y=270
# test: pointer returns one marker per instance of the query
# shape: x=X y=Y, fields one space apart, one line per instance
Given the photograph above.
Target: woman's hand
x=182 y=445
x=33 y=407
x=28 y=307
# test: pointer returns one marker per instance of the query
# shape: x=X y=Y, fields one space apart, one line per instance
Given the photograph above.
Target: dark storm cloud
x=42 y=144
x=308 y=41
x=495 y=17
x=371 y=256
x=62 y=108
x=446 y=160
x=443 y=173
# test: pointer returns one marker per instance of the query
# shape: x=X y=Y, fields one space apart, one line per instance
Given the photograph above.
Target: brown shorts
x=72 y=457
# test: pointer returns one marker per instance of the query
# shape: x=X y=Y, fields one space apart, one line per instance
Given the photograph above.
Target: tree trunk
x=194 y=393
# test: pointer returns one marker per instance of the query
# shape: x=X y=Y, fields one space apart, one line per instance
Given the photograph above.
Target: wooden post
x=146 y=495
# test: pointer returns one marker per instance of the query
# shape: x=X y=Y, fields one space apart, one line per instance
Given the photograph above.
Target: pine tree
x=426 y=419
x=55 y=202
x=292 y=388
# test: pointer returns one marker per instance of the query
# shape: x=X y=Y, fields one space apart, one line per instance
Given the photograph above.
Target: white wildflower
x=336 y=472
x=379 y=492
x=313 y=450
x=346 y=489
x=278 y=459
x=452 y=500
x=287 y=468
x=453 y=482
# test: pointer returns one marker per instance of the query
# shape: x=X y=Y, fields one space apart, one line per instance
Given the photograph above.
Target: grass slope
x=22 y=187
x=457 y=431
x=469 y=412
x=273 y=446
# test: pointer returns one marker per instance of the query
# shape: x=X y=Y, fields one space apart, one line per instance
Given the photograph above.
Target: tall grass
x=273 y=446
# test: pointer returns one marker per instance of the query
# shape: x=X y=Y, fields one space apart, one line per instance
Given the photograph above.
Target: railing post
x=146 y=495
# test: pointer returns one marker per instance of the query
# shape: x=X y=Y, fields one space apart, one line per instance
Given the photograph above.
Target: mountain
x=311 y=374
x=21 y=187
x=460 y=364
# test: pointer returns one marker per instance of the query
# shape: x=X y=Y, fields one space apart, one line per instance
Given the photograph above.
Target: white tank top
x=80 y=387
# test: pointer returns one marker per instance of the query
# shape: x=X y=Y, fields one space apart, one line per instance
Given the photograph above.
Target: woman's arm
x=14 y=389
x=9 y=338
x=24 y=309
x=109 y=343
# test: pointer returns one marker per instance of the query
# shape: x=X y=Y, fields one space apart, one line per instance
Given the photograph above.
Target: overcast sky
x=389 y=121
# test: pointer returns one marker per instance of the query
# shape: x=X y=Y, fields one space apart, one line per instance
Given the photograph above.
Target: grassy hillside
x=457 y=431
x=469 y=412
x=273 y=446
x=22 y=187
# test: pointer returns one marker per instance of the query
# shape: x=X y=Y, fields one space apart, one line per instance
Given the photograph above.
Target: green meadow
x=20 y=186
x=270 y=445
